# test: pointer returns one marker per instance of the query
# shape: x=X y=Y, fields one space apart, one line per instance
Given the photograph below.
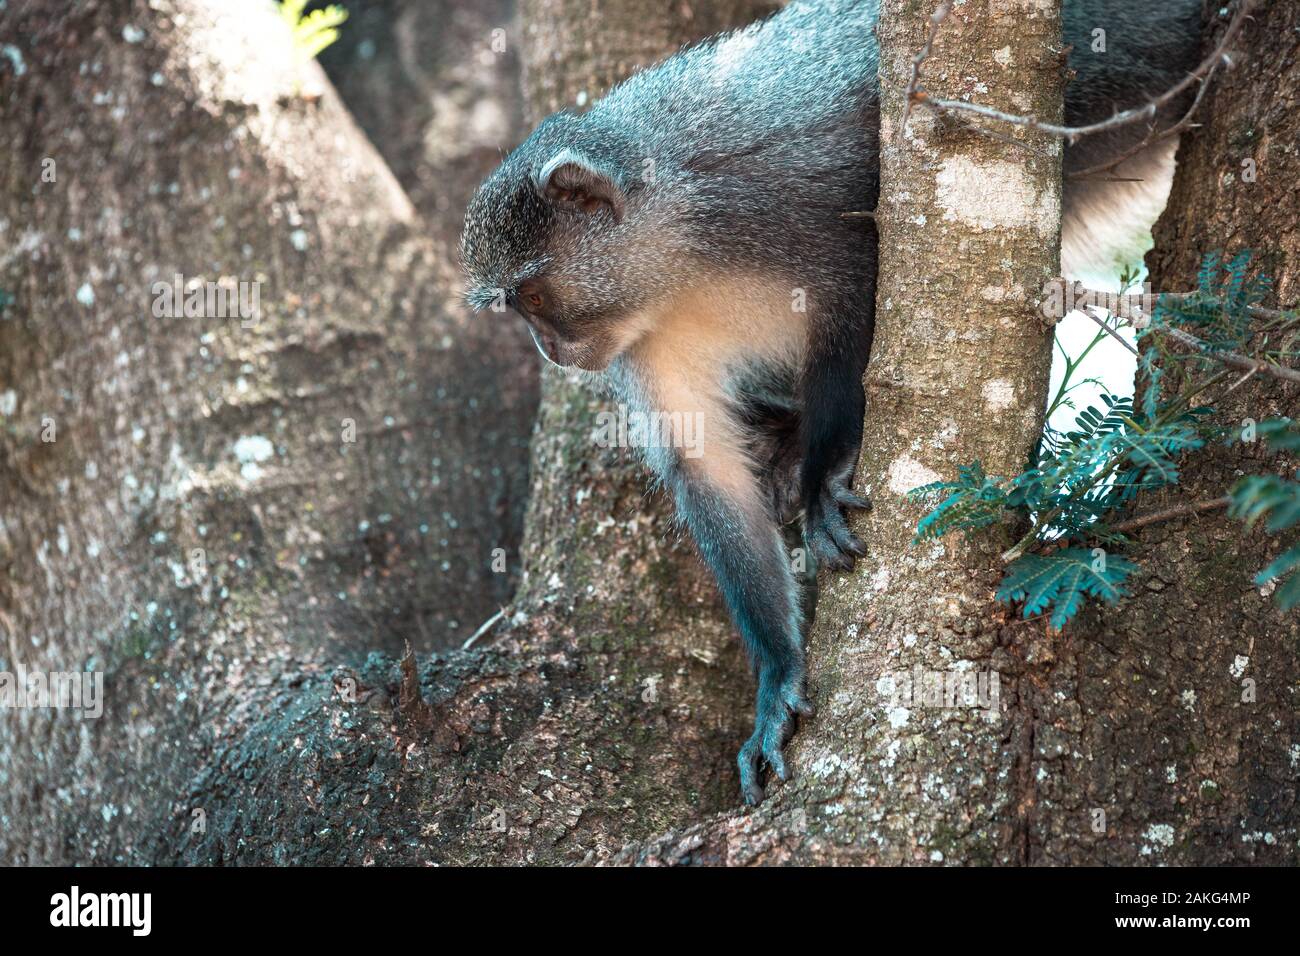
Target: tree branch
x=915 y=93
x=1175 y=511
x=1063 y=296
x=914 y=81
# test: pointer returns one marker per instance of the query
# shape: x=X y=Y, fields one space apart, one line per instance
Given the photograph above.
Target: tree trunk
x=203 y=531
x=209 y=509
x=1159 y=731
x=1162 y=731
x=435 y=86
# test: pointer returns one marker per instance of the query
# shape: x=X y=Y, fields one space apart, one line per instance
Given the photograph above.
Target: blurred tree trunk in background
x=214 y=511
x=435 y=86
x=205 y=530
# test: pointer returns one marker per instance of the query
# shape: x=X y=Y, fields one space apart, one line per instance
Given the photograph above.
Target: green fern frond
x=1080 y=480
x=974 y=500
x=1280 y=433
x=1275 y=501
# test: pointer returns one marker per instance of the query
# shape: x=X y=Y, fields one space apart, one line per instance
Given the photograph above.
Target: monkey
x=682 y=240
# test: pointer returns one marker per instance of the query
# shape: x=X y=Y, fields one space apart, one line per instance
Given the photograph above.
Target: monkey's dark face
x=559 y=239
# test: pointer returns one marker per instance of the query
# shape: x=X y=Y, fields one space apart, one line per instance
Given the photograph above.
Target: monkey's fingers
x=799 y=704
x=849 y=498
x=773 y=728
x=830 y=538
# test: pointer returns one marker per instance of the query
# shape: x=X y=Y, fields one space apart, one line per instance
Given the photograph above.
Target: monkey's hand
x=780 y=697
x=825 y=529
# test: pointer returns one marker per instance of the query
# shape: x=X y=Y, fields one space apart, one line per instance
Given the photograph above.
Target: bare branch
x=1235 y=359
x=1149 y=110
x=914 y=81
x=1152 y=136
x=1175 y=511
x=1106 y=326
x=1155 y=517
x=1135 y=308
x=1062 y=296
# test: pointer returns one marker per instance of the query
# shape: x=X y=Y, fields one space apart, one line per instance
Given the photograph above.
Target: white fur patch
x=1105 y=223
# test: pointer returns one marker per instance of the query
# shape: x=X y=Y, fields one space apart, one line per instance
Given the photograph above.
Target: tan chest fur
x=688 y=347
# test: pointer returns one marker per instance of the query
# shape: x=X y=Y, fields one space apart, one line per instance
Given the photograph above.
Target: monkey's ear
x=570 y=181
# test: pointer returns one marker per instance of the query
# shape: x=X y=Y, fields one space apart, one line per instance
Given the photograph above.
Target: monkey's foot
x=773 y=726
x=825 y=528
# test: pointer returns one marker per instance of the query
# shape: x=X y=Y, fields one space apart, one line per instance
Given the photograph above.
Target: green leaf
x=974 y=500
x=315 y=31
x=1062 y=580
x=1276 y=501
x=1280 y=433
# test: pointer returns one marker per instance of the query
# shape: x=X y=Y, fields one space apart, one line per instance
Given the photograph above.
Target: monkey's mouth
x=566 y=354
x=548 y=345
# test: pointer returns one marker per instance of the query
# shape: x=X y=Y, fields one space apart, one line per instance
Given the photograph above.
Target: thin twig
x=1135 y=307
x=483 y=629
x=915 y=94
x=1152 y=137
x=1175 y=511
x=1155 y=517
x=1136 y=310
x=1218 y=400
x=1087 y=310
x=914 y=81
x=1235 y=359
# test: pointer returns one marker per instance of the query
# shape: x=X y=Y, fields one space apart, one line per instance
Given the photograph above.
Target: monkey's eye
x=531 y=298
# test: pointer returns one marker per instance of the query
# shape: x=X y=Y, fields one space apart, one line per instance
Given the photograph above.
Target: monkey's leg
x=739 y=538
x=834 y=405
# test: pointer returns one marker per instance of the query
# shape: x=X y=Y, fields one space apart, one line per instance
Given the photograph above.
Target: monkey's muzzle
x=547 y=344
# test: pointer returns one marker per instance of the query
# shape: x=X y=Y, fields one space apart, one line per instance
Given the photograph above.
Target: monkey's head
x=568 y=233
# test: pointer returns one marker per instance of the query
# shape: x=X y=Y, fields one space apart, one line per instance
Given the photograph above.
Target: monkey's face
x=562 y=242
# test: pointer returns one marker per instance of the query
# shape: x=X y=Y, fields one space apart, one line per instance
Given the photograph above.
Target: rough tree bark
x=241 y=723
x=1143 y=712
x=1132 y=737
x=203 y=526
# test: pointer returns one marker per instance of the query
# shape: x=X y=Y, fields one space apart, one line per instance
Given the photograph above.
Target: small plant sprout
x=314 y=31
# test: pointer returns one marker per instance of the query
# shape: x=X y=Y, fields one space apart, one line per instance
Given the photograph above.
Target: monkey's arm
x=738 y=537
x=722 y=502
x=839 y=341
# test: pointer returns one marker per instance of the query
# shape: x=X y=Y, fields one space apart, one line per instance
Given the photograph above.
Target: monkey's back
x=768 y=132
